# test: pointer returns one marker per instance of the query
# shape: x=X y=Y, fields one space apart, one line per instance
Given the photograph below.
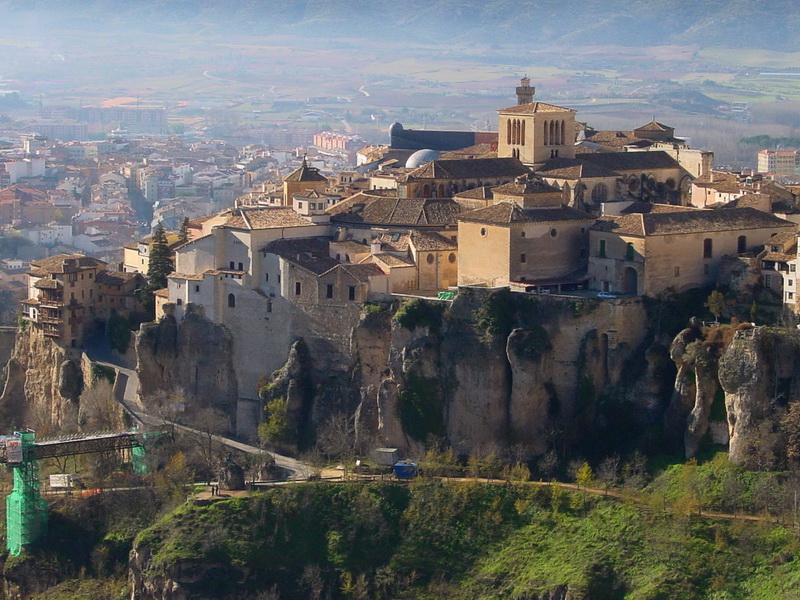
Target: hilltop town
x=546 y=206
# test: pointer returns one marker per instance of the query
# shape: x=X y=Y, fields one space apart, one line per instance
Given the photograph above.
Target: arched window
x=557 y=132
x=546 y=137
x=552 y=132
x=708 y=248
x=441 y=190
x=563 y=138
x=231 y=301
x=599 y=193
x=508 y=132
x=426 y=191
x=522 y=136
x=741 y=244
x=629 y=251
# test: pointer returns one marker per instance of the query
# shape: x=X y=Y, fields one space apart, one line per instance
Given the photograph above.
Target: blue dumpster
x=405 y=470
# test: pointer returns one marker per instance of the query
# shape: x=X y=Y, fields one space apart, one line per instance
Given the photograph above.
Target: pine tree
x=184 y=232
x=160 y=260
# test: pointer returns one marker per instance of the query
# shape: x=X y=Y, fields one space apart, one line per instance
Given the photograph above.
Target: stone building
x=647 y=253
x=70 y=295
x=303 y=179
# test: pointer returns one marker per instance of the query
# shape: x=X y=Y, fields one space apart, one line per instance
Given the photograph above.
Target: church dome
x=420 y=157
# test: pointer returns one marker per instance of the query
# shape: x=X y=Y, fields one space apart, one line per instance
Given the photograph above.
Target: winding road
x=126 y=393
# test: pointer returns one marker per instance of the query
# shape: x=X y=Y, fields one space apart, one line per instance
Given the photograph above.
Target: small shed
x=385 y=457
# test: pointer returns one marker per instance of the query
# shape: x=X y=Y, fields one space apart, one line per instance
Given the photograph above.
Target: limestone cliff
x=43 y=385
x=750 y=375
x=760 y=373
x=187 y=364
x=492 y=368
x=53 y=389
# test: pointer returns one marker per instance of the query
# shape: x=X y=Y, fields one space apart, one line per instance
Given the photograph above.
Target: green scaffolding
x=26 y=510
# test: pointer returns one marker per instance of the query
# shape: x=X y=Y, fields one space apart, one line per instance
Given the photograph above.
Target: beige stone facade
x=646 y=254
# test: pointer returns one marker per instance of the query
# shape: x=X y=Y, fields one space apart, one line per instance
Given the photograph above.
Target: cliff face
x=749 y=379
x=189 y=363
x=43 y=385
x=760 y=373
x=489 y=370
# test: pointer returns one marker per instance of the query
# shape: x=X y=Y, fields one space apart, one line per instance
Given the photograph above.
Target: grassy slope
x=474 y=541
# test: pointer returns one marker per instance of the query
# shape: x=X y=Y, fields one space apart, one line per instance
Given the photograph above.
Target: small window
x=429 y=259
x=451 y=257
x=179 y=301
x=351 y=292
x=298 y=288
x=266 y=276
x=484 y=232
x=329 y=291
x=90 y=275
x=677 y=271
x=741 y=244
x=269 y=306
x=602 y=251
x=708 y=248
x=553 y=232
x=196 y=289
x=231 y=301
x=790 y=295
x=232 y=265
x=523 y=258
x=521 y=234
x=279 y=278
x=790 y=282
x=300 y=205
x=241 y=267
x=629 y=251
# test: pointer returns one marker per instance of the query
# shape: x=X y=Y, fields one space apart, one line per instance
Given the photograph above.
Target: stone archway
x=631 y=280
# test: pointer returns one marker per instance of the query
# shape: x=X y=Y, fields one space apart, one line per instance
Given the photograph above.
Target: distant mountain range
x=773 y=25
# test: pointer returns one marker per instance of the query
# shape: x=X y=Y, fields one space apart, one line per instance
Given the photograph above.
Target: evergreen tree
x=160 y=260
x=184 y=232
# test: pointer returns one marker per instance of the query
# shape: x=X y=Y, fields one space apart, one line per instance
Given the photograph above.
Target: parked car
x=606 y=295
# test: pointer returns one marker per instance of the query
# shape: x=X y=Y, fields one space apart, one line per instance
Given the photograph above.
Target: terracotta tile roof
x=392 y=260
x=479 y=193
x=779 y=256
x=351 y=246
x=266 y=217
x=690 y=222
x=648 y=207
x=573 y=168
x=305 y=173
x=509 y=212
x=535 y=107
x=115 y=277
x=476 y=151
x=361 y=272
x=187 y=276
x=48 y=284
x=399 y=212
x=429 y=242
x=782 y=237
x=754 y=200
x=632 y=161
x=654 y=126
x=396 y=242
x=308 y=253
x=526 y=184
x=63 y=263
x=469 y=169
x=162 y=293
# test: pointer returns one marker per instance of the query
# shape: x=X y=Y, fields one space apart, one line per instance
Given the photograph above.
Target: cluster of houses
x=548 y=205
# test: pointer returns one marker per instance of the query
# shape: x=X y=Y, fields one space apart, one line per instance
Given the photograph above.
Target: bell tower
x=525 y=91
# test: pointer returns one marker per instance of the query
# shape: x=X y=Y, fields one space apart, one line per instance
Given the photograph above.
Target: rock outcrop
x=188 y=363
x=43 y=385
